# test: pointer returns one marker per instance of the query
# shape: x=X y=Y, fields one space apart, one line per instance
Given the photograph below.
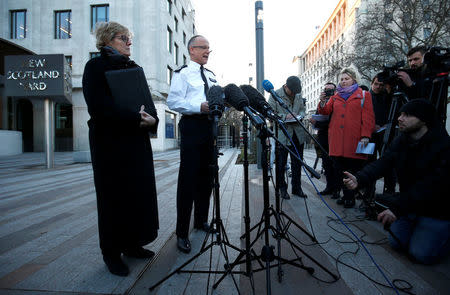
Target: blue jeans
x=425 y=239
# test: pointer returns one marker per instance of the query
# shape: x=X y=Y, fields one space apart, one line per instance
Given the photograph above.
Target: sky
x=289 y=28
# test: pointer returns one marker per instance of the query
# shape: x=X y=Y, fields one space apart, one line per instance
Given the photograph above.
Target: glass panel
x=176 y=54
x=99 y=13
x=18 y=24
x=169 y=75
x=63 y=24
x=169 y=39
x=170 y=125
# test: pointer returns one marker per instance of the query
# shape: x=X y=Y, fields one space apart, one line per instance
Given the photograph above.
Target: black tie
x=204 y=79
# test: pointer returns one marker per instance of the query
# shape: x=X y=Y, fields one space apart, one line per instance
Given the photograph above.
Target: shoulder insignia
x=210 y=71
x=213 y=80
x=179 y=69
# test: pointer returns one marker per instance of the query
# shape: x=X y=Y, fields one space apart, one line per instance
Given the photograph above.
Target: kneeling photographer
x=419 y=216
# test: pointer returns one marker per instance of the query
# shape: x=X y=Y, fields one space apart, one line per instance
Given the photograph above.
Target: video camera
x=389 y=73
x=437 y=60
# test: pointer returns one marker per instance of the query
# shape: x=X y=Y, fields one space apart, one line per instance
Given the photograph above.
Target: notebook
x=129 y=89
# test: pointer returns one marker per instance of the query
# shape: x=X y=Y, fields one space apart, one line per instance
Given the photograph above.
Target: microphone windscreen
x=255 y=98
x=267 y=85
x=215 y=96
x=235 y=97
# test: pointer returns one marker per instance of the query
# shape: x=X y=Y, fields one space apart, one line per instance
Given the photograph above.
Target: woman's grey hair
x=106 y=31
x=351 y=73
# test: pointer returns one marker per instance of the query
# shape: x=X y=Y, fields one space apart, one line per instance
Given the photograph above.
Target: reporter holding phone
x=352 y=122
x=419 y=214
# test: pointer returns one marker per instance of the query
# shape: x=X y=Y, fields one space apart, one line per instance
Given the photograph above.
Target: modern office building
x=161 y=30
x=326 y=48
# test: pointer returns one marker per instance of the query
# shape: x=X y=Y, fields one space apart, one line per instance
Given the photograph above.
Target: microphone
x=237 y=99
x=269 y=88
x=259 y=103
x=215 y=98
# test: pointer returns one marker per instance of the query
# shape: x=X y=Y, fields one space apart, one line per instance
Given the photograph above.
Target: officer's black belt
x=196 y=116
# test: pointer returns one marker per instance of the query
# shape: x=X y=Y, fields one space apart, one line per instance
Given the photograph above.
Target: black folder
x=130 y=90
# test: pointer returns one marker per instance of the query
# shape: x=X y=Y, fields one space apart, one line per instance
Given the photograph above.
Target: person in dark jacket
x=121 y=154
x=381 y=101
x=332 y=187
x=419 y=215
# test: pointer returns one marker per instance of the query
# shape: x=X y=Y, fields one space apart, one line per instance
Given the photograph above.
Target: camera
x=437 y=60
x=329 y=92
x=389 y=73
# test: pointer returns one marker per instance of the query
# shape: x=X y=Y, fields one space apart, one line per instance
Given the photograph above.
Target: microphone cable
x=358 y=240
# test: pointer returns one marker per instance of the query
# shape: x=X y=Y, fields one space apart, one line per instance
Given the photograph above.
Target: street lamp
x=259 y=29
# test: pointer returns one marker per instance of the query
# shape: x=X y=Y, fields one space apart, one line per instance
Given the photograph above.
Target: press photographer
x=419 y=215
x=416 y=82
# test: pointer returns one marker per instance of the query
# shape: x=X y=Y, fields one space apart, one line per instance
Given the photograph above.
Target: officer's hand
x=350 y=181
x=204 y=107
x=405 y=78
x=386 y=217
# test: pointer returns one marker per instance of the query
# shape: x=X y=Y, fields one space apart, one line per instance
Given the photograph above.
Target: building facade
x=325 y=50
x=161 y=30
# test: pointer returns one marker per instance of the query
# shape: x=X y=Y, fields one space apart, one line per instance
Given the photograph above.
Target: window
x=99 y=13
x=69 y=60
x=426 y=33
x=169 y=39
x=184 y=38
x=176 y=54
x=184 y=60
x=169 y=74
x=183 y=13
x=176 y=24
x=63 y=24
x=93 y=54
x=18 y=24
x=193 y=29
x=169 y=6
x=170 y=125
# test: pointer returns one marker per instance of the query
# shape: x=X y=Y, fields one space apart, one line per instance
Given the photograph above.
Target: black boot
x=139 y=252
x=115 y=265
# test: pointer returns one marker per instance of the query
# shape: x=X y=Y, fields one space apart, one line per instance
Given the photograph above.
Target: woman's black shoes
x=116 y=266
x=139 y=252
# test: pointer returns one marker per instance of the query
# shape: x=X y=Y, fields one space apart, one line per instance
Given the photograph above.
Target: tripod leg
x=298 y=226
x=180 y=267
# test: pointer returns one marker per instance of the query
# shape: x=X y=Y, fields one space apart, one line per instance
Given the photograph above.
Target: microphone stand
x=267 y=252
x=217 y=227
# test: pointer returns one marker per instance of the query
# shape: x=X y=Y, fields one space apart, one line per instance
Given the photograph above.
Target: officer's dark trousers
x=196 y=175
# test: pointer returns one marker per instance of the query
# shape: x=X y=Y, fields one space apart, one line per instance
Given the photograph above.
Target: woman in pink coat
x=352 y=121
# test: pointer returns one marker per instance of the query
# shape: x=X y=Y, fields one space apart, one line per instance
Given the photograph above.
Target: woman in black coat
x=121 y=155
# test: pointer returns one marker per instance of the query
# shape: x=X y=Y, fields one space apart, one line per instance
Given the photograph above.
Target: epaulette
x=179 y=69
x=209 y=71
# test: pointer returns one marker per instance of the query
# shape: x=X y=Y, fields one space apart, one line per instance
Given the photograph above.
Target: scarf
x=346 y=92
x=116 y=60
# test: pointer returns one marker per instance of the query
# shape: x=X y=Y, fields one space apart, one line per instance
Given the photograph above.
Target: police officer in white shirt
x=188 y=96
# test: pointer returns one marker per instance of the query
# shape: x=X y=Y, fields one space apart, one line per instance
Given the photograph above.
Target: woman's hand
x=364 y=141
x=147 y=120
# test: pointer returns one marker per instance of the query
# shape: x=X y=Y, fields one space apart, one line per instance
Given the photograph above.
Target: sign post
x=44 y=77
